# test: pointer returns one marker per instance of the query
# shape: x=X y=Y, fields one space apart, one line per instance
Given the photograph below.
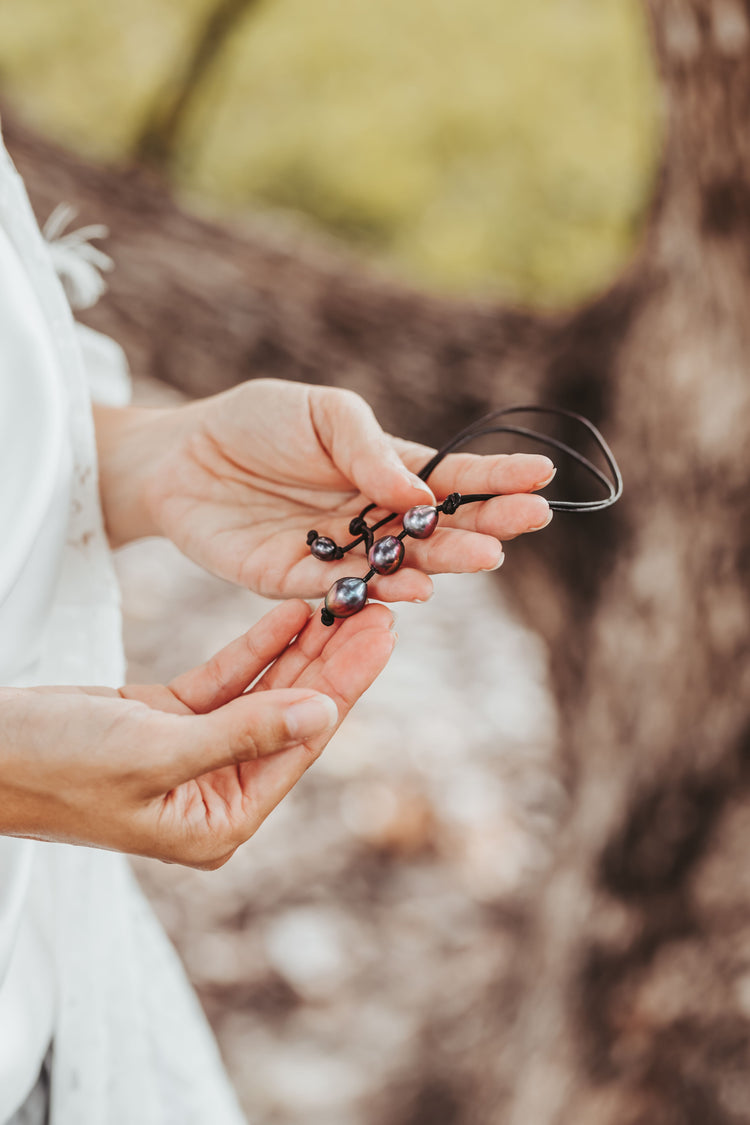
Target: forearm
x=144 y=769
x=130 y=441
x=16 y=725
x=66 y=771
x=35 y=773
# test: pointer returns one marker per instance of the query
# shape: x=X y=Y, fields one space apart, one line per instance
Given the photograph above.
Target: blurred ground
x=345 y=955
x=484 y=146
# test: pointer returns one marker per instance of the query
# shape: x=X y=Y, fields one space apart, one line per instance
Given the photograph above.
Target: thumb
x=252 y=727
x=365 y=454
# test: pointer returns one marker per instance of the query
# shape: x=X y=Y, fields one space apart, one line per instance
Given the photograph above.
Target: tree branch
x=157 y=141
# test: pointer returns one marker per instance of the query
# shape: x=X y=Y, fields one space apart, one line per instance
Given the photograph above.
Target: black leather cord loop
x=495 y=423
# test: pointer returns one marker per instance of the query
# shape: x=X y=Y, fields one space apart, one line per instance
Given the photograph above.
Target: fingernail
x=311 y=716
x=547 y=480
x=539 y=526
x=417 y=482
x=498 y=564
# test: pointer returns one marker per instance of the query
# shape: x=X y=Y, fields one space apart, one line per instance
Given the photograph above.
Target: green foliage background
x=475 y=146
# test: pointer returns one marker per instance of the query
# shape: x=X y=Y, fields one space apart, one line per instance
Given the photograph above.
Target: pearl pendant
x=420 y=522
x=386 y=555
x=323 y=548
x=346 y=597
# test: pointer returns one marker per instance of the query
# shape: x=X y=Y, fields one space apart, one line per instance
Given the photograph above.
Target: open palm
x=246 y=474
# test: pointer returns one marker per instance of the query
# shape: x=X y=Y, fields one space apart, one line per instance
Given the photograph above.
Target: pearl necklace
x=386 y=555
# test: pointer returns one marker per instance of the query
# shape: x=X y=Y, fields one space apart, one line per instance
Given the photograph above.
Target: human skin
x=187 y=771
x=237 y=480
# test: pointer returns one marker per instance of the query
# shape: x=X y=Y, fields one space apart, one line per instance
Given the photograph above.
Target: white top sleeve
x=35 y=468
x=130 y=1041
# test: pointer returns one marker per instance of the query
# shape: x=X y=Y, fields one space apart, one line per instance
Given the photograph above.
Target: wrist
x=18 y=730
x=130 y=442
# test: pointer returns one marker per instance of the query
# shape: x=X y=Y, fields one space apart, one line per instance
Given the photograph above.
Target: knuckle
x=207 y=858
x=312 y=753
x=250 y=745
x=217 y=676
x=343 y=395
x=240 y=743
x=341 y=399
x=158 y=777
x=250 y=644
x=213 y=863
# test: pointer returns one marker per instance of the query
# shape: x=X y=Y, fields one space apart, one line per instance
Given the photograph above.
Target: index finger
x=360 y=652
x=346 y=657
x=229 y=672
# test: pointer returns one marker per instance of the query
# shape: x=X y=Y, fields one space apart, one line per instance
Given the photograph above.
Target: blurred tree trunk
x=630 y=998
x=636 y=1005
x=157 y=144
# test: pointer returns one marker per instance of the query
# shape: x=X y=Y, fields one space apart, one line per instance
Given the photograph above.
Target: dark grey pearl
x=420 y=522
x=346 y=597
x=386 y=554
x=323 y=549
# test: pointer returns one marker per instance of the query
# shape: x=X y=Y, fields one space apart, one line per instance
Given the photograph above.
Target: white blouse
x=34 y=505
x=82 y=960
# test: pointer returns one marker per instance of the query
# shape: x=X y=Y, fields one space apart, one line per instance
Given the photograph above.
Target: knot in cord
x=451 y=503
x=357 y=526
x=494 y=423
x=311 y=537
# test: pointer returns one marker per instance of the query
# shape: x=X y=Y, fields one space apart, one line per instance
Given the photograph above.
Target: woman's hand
x=237 y=481
x=188 y=771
